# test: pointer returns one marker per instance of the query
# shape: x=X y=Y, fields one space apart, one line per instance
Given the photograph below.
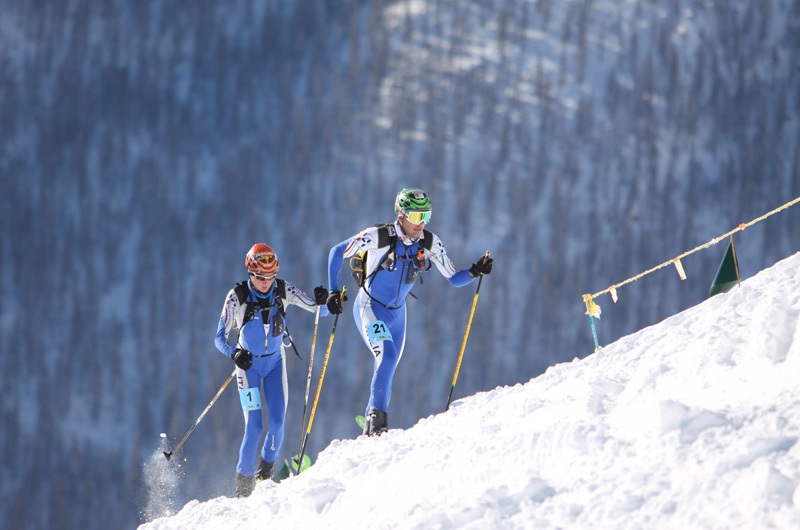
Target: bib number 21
x=378 y=331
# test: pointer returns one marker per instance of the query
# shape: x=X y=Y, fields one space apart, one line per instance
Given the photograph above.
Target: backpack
x=386 y=237
x=242 y=291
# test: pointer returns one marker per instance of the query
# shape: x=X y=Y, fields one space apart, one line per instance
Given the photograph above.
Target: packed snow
x=690 y=423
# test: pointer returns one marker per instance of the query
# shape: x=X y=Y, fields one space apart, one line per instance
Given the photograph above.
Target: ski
x=290 y=467
x=303 y=466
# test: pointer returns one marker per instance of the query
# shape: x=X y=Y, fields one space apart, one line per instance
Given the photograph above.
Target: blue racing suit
x=262 y=336
x=379 y=308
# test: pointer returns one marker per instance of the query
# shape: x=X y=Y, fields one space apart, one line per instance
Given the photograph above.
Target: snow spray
x=161 y=479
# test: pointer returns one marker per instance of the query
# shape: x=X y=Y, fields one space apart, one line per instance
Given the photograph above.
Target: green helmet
x=412 y=200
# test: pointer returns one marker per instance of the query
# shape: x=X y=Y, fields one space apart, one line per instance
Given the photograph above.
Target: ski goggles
x=419 y=217
x=267 y=258
x=260 y=277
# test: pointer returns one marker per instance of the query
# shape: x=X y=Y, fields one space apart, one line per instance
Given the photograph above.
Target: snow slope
x=690 y=423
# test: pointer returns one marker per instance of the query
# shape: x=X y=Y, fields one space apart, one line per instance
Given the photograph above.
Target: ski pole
x=308 y=383
x=169 y=454
x=319 y=387
x=464 y=341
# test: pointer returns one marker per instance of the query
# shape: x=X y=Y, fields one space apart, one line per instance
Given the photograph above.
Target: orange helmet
x=261 y=259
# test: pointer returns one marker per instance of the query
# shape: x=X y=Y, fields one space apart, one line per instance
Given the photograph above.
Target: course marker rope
x=593 y=309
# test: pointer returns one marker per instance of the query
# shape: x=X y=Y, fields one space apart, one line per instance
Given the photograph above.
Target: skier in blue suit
x=256 y=309
x=396 y=254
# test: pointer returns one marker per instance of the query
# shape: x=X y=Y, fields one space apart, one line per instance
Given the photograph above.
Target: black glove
x=334 y=303
x=242 y=358
x=482 y=266
x=320 y=295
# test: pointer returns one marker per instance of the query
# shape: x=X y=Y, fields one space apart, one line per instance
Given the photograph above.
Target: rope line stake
x=593 y=310
x=594 y=334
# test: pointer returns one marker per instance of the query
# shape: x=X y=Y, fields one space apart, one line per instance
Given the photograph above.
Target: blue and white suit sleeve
x=227 y=321
x=335 y=260
x=437 y=253
x=297 y=297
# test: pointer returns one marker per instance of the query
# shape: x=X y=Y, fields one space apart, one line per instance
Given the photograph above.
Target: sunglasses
x=261 y=278
x=419 y=217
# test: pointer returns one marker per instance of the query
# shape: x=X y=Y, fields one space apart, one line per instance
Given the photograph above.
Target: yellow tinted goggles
x=418 y=217
x=265 y=257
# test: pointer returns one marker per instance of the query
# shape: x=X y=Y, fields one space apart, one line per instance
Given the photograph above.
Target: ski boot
x=376 y=423
x=244 y=486
x=264 y=471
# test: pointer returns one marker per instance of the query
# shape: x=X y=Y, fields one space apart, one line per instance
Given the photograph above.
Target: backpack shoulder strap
x=280 y=294
x=427 y=241
x=386 y=235
x=242 y=291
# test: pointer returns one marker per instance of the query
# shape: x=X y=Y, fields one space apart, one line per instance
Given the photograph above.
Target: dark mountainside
x=147 y=145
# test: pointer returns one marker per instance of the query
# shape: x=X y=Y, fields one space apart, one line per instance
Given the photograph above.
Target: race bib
x=378 y=331
x=250 y=398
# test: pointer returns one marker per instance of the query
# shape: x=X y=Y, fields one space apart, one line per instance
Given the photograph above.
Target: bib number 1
x=378 y=331
x=250 y=398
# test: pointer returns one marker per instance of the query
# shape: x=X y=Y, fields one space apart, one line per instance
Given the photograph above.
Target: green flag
x=728 y=273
